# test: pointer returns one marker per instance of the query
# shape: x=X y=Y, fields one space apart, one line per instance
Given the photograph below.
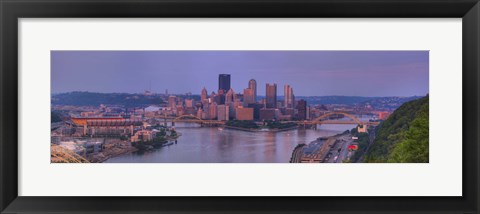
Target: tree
x=415 y=148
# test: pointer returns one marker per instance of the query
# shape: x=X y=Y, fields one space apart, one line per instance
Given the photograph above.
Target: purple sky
x=310 y=73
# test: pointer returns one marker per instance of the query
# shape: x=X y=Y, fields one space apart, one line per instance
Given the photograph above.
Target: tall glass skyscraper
x=224 y=82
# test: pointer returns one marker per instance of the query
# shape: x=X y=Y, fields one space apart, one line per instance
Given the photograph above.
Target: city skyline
x=397 y=73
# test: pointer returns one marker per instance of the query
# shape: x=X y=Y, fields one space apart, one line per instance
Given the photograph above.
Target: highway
x=339 y=150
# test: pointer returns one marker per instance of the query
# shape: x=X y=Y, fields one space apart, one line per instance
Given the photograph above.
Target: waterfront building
x=248 y=96
x=224 y=82
x=172 y=102
x=204 y=94
x=223 y=112
x=143 y=135
x=109 y=126
x=256 y=109
x=252 y=84
x=302 y=109
x=244 y=113
x=267 y=114
x=271 y=95
x=212 y=111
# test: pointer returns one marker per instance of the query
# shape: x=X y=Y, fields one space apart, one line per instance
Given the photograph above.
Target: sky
x=309 y=73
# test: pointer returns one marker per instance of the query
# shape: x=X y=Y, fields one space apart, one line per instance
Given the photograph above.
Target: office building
x=302 y=109
x=271 y=95
x=252 y=84
x=248 y=96
x=267 y=114
x=230 y=96
x=256 y=109
x=204 y=94
x=223 y=112
x=244 y=113
x=288 y=97
x=224 y=82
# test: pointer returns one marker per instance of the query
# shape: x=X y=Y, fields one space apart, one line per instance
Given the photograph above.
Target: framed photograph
x=227 y=106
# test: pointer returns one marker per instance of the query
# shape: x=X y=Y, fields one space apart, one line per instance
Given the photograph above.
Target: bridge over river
x=324 y=119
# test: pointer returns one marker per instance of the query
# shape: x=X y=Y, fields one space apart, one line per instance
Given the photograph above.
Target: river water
x=212 y=145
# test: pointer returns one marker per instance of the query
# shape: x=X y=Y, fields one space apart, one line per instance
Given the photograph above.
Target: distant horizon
x=184 y=94
x=309 y=73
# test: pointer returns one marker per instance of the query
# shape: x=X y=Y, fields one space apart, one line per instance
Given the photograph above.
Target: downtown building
x=289 y=97
x=252 y=84
x=302 y=109
x=224 y=82
x=223 y=112
x=271 y=95
x=248 y=96
x=203 y=94
x=244 y=113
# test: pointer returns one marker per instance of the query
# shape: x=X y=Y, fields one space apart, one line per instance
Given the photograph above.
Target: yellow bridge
x=324 y=119
x=321 y=120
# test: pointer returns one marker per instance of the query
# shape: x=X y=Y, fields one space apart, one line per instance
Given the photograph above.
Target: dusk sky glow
x=310 y=73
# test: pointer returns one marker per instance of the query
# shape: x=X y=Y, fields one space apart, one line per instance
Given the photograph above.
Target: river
x=212 y=145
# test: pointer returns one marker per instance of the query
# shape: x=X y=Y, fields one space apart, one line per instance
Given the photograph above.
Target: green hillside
x=403 y=137
x=78 y=98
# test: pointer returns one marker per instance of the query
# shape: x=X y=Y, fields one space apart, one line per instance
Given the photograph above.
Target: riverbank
x=112 y=149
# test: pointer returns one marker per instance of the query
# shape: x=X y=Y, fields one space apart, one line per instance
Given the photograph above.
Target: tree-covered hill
x=95 y=99
x=403 y=137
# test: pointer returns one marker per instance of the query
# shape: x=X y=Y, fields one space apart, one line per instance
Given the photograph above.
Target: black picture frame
x=12 y=10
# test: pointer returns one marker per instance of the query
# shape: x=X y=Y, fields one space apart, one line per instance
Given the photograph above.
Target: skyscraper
x=288 y=97
x=248 y=96
x=230 y=96
x=271 y=96
x=252 y=84
x=204 y=94
x=302 y=109
x=224 y=82
x=223 y=112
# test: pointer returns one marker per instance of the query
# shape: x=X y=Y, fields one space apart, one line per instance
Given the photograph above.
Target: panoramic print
x=239 y=107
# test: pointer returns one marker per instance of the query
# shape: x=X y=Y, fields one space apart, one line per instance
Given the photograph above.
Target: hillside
x=95 y=99
x=403 y=137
